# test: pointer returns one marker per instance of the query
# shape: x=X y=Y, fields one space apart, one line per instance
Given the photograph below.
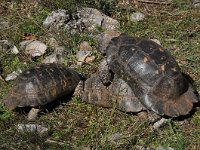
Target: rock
x=60 y=19
x=32 y=128
x=92 y=18
x=7 y=47
x=13 y=75
x=85 y=46
x=90 y=59
x=54 y=58
x=57 y=19
x=137 y=16
x=115 y=137
x=33 y=47
x=3 y=24
x=196 y=3
x=84 y=18
x=110 y=24
x=81 y=56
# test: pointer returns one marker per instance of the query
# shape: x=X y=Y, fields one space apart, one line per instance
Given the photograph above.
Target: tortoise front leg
x=32 y=115
x=105 y=74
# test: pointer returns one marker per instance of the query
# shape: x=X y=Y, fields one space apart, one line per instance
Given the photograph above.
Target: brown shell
x=152 y=73
x=41 y=85
x=118 y=94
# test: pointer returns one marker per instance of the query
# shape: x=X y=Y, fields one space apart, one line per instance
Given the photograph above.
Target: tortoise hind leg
x=33 y=113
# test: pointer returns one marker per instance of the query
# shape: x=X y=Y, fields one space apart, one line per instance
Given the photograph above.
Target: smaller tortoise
x=41 y=85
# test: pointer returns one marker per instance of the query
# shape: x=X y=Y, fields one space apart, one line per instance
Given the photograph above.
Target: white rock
x=137 y=16
x=56 y=19
x=110 y=23
x=32 y=128
x=13 y=75
x=93 y=18
x=81 y=56
x=15 y=50
x=88 y=18
x=54 y=58
x=33 y=47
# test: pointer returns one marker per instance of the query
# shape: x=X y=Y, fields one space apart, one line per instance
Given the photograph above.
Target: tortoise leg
x=156 y=120
x=32 y=115
x=105 y=74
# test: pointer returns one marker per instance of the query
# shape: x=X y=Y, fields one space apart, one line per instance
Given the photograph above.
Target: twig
x=54 y=142
x=154 y=2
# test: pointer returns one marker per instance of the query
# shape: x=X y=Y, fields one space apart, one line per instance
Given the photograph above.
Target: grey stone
x=82 y=55
x=3 y=24
x=56 y=19
x=13 y=75
x=84 y=18
x=137 y=16
x=92 y=18
x=32 y=128
x=54 y=58
x=196 y=3
x=33 y=47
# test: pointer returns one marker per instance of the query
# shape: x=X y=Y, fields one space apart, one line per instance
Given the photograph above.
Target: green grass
x=74 y=124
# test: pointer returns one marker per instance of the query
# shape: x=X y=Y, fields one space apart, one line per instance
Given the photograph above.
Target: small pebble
x=137 y=16
x=32 y=128
x=13 y=75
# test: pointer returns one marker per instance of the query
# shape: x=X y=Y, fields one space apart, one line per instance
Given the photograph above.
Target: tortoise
x=41 y=85
x=152 y=73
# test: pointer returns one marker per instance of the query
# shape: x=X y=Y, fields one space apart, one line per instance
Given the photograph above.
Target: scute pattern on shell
x=152 y=73
x=118 y=95
x=41 y=85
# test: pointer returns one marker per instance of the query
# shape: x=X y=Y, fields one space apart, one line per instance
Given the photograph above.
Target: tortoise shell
x=41 y=85
x=152 y=73
x=118 y=94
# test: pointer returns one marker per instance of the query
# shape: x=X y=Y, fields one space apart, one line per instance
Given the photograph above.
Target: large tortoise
x=152 y=73
x=41 y=85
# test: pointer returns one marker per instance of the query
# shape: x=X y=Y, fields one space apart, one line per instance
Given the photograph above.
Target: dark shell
x=152 y=73
x=41 y=85
x=118 y=94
